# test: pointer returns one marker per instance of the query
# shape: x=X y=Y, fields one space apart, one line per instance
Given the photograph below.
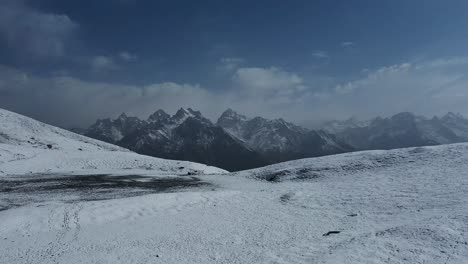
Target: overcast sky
x=69 y=62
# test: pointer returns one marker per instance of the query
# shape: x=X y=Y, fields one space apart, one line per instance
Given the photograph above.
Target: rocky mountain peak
x=403 y=116
x=158 y=116
x=183 y=114
x=188 y=135
x=122 y=116
x=231 y=116
x=194 y=112
x=452 y=116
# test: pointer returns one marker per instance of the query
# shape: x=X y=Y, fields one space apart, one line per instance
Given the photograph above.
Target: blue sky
x=70 y=62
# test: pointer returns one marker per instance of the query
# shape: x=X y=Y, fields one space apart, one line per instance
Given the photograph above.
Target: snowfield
x=399 y=206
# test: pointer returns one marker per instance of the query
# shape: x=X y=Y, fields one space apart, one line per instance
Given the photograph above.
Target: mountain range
x=401 y=130
x=236 y=142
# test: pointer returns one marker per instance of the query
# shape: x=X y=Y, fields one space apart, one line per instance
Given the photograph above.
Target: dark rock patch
x=331 y=233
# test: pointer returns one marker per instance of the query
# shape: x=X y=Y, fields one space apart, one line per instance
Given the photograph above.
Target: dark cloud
x=143 y=55
x=31 y=33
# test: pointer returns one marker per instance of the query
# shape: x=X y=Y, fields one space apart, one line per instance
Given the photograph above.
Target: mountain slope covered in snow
x=374 y=207
x=29 y=146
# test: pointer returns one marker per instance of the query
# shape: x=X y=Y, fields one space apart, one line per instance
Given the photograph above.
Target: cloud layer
x=429 y=87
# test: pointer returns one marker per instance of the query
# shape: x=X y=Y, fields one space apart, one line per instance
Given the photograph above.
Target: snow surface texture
x=29 y=146
x=399 y=206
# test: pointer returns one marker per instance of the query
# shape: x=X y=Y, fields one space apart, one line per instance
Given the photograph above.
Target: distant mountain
x=187 y=135
x=457 y=123
x=401 y=130
x=235 y=142
x=278 y=140
x=113 y=131
x=336 y=126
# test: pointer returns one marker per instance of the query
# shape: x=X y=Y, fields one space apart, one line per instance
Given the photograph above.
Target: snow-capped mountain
x=401 y=130
x=279 y=140
x=113 y=131
x=457 y=123
x=186 y=135
x=28 y=146
x=238 y=142
x=235 y=142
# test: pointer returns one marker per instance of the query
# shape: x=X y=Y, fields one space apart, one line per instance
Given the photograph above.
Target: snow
x=24 y=150
x=19 y=160
x=398 y=206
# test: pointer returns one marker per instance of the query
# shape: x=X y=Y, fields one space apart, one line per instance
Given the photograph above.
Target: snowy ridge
x=24 y=131
x=370 y=161
x=28 y=146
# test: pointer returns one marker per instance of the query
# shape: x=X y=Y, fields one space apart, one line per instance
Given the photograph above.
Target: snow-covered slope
x=373 y=161
x=19 y=130
x=377 y=207
x=29 y=146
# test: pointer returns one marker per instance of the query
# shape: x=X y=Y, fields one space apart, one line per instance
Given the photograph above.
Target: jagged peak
x=231 y=114
x=452 y=115
x=281 y=121
x=160 y=112
x=183 y=114
x=258 y=119
x=123 y=116
x=159 y=115
x=404 y=115
x=194 y=112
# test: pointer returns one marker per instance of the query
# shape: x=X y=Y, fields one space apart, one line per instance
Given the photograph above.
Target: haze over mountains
x=401 y=130
x=237 y=142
